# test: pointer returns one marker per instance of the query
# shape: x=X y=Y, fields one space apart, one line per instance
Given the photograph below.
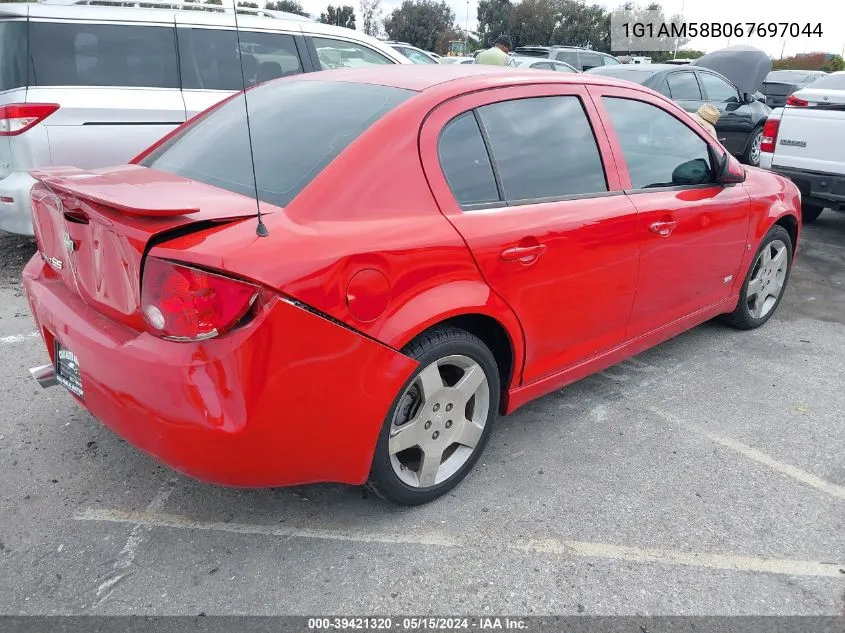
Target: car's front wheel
x=440 y=421
x=765 y=282
x=752 y=152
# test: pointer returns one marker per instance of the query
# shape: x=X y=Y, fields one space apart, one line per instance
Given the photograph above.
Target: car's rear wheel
x=752 y=152
x=440 y=421
x=810 y=213
x=765 y=282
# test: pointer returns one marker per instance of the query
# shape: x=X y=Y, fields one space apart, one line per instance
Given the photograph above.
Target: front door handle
x=663 y=228
x=524 y=254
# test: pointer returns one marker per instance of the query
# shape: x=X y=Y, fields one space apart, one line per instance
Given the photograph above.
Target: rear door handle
x=664 y=228
x=524 y=254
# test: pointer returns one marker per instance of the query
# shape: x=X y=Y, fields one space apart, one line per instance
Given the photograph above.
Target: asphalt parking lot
x=705 y=476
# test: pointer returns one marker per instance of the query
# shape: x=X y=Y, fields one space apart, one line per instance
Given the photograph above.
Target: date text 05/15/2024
x=417 y=623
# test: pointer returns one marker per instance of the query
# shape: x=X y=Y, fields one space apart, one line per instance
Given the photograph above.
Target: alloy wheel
x=754 y=153
x=767 y=279
x=439 y=421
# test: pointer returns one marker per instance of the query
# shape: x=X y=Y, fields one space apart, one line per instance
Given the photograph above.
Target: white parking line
x=17 y=338
x=554 y=547
x=808 y=479
x=126 y=557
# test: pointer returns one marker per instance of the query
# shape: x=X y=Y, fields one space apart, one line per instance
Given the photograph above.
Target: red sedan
x=443 y=244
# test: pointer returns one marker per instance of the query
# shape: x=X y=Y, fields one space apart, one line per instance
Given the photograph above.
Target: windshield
x=830 y=82
x=292 y=140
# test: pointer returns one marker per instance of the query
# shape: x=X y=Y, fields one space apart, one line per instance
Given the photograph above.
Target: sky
x=830 y=13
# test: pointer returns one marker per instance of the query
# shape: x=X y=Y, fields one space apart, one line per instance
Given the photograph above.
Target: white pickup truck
x=805 y=141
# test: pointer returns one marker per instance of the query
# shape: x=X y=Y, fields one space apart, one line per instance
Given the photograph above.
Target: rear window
x=292 y=140
x=81 y=54
x=830 y=82
x=12 y=55
x=789 y=76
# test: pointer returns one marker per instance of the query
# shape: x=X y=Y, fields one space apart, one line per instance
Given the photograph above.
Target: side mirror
x=730 y=170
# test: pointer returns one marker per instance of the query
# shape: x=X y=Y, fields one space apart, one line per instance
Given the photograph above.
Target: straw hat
x=707 y=115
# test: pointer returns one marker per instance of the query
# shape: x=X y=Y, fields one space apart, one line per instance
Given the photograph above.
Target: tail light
x=792 y=100
x=770 y=135
x=187 y=304
x=16 y=118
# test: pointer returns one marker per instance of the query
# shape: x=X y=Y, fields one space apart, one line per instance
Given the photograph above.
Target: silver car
x=105 y=82
x=541 y=64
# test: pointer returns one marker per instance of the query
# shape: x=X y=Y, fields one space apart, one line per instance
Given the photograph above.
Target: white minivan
x=92 y=86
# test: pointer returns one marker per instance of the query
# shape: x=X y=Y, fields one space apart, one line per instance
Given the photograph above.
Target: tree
x=811 y=61
x=494 y=19
x=248 y=5
x=582 y=25
x=370 y=16
x=533 y=22
x=340 y=16
x=214 y=2
x=420 y=22
x=290 y=6
x=445 y=39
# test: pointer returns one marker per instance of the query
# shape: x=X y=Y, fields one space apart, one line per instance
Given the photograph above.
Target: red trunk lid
x=94 y=227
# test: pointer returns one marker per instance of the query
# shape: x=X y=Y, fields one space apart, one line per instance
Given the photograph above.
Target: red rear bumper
x=290 y=398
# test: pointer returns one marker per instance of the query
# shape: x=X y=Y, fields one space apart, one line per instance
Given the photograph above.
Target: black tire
x=741 y=317
x=429 y=347
x=810 y=213
x=748 y=155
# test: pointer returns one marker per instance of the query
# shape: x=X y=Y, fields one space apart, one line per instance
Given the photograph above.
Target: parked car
x=804 y=141
x=740 y=126
x=780 y=84
x=457 y=60
x=416 y=276
x=581 y=59
x=517 y=61
x=416 y=55
x=678 y=61
x=106 y=81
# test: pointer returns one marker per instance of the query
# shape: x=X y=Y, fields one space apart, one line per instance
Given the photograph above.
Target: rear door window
x=209 y=58
x=543 y=66
x=683 y=86
x=292 y=140
x=12 y=54
x=543 y=147
x=334 y=53
x=466 y=163
x=570 y=57
x=82 y=54
x=590 y=60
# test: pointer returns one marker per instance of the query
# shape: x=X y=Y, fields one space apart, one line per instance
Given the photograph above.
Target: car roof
x=455 y=78
x=247 y=18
